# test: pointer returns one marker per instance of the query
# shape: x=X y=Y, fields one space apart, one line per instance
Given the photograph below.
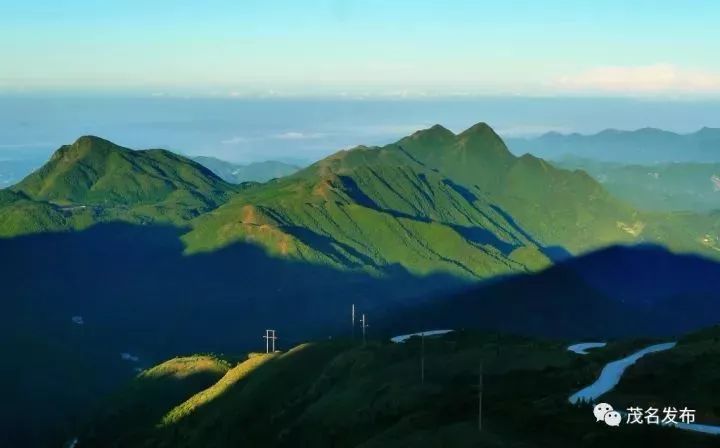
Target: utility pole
x=422 y=358
x=364 y=326
x=269 y=336
x=353 y=321
x=480 y=394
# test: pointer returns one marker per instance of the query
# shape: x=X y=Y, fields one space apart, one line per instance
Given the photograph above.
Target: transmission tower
x=363 y=323
x=270 y=336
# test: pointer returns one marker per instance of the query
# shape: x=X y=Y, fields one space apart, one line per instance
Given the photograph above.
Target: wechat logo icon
x=605 y=413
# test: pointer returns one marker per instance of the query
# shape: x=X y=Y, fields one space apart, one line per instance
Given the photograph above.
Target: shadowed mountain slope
x=137 y=293
x=615 y=292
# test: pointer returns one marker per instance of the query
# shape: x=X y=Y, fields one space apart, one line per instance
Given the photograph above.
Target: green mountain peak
x=481 y=128
x=435 y=133
x=105 y=181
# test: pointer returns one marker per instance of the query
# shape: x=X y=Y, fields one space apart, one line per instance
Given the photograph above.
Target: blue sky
x=357 y=48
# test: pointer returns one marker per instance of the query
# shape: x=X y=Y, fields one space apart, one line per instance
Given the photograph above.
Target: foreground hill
x=252 y=172
x=341 y=394
x=643 y=146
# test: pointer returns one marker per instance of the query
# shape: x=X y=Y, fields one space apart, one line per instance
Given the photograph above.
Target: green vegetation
x=436 y=201
x=433 y=202
x=252 y=172
x=662 y=187
x=94 y=180
x=380 y=227
x=147 y=398
x=342 y=394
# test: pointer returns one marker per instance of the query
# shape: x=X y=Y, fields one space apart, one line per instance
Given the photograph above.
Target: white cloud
x=234 y=140
x=656 y=78
x=293 y=135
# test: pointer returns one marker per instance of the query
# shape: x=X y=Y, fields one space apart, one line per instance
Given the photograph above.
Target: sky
x=357 y=49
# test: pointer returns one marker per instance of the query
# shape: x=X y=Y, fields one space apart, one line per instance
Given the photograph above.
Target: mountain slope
x=614 y=292
x=434 y=200
x=94 y=180
x=252 y=172
x=662 y=187
x=96 y=171
x=343 y=394
x=371 y=207
x=557 y=207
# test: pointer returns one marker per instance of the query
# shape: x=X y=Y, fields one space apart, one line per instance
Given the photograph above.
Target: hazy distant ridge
x=647 y=145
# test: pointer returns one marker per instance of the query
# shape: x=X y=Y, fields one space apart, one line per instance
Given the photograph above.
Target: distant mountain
x=252 y=172
x=96 y=171
x=661 y=187
x=12 y=171
x=94 y=180
x=614 y=292
x=648 y=145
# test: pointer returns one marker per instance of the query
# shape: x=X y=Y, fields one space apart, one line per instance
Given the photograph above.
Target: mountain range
x=252 y=172
x=127 y=257
x=642 y=146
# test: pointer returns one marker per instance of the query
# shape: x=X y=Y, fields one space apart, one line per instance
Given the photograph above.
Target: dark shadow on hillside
x=474 y=234
x=477 y=235
x=138 y=293
x=334 y=249
x=615 y=292
x=135 y=409
x=554 y=253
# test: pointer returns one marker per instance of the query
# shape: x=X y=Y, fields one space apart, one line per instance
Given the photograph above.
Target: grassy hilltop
x=342 y=394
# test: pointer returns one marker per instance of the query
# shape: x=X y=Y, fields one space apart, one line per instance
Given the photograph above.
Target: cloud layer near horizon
x=648 y=79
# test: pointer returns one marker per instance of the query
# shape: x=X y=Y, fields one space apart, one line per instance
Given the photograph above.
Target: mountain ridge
x=644 y=145
x=251 y=172
x=94 y=180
